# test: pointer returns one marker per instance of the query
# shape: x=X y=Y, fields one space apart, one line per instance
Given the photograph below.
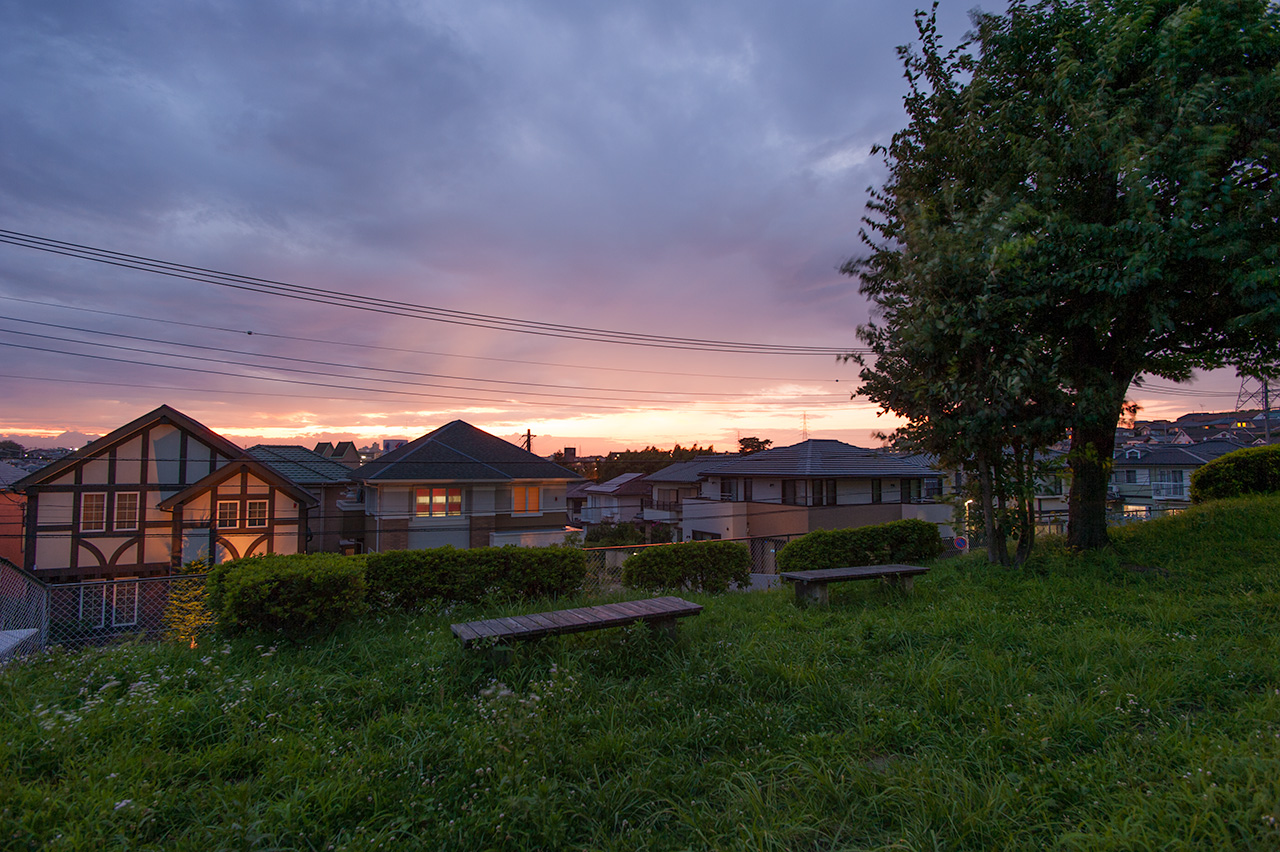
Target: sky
x=609 y=225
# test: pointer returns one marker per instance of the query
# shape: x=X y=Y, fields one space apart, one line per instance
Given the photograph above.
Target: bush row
x=1255 y=470
x=706 y=566
x=898 y=541
x=406 y=579
x=299 y=594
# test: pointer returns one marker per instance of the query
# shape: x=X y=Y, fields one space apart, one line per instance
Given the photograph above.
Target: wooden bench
x=811 y=586
x=660 y=613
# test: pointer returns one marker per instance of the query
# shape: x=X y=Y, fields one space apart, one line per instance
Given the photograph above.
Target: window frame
x=235 y=515
x=100 y=512
x=117 y=524
x=450 y=496
x=251 y=521
x=119 y=601
x=877 y=491
x=520 y=504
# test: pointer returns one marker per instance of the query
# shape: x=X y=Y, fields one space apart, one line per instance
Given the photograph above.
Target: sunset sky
x=612 y=224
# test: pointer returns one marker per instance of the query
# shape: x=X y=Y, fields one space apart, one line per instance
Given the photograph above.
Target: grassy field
x=1127 y=700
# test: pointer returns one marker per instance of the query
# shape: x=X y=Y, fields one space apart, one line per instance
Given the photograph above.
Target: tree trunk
x=997 y=551
x=1093 y=438
x=1026 y=485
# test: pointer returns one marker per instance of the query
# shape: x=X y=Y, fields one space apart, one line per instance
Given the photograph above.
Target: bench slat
x=573 y=620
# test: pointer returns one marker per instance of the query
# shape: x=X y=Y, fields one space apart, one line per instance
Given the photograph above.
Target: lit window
x=525 y=499
x=256 y=514
x=438 y=502
x=228 y=514
x=93 y=512
x=127 y=511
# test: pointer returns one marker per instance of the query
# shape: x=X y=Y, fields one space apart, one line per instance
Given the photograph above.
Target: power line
x=401 y=350
x=372 y=304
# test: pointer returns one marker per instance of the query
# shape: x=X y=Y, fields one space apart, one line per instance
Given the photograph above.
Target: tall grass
x=1122 y=700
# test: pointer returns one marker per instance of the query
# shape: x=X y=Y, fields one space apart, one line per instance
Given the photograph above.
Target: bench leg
x=500 y=655
x=811 y=594
x=903 y=584
x=664 y=626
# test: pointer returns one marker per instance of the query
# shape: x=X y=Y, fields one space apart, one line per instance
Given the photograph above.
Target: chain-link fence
x=24 y=611
x=604 y=564
x=102 y=611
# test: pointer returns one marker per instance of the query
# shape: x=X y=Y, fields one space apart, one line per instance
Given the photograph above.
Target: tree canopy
x=1087 y=198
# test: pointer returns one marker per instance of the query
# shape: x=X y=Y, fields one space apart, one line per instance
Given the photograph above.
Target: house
x=674 y=484
x=12 y=507
x=462 y=486
x=817 y=484
x=1158 y=477
x=337 y=523
x=344 y=452
x=618 y=501
x=158 y=492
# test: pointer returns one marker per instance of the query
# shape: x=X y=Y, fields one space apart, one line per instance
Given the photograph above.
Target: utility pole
x=528 y=440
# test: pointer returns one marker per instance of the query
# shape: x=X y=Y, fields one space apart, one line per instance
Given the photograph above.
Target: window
x=256 y=514
x=789 y=492
x=93 y=605
x=877 y=492
x=727 y=486
x=823 y=491
x=746 y=490
x=127 y=511
x=910 y=491
x=525 y=499
x=228 y=514
x=1130 y=477
x=124 y=603
x=93 y=512
x=438 y=502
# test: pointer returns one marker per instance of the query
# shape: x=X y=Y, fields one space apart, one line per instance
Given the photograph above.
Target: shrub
x=708 y=566
x=898 y=541
x=407 y=579
x=1255 y=470
x=296 y=594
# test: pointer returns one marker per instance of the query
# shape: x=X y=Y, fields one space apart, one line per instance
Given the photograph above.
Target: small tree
x=747 y=446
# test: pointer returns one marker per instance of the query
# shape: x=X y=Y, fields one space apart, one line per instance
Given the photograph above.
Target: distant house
x=674 y=484
x=344 y=452
x=817 y=484
x=12 y=506
x=337 y=523
x=1147 y=478
x=159 y=491
x=620 y=500
x=462 y=486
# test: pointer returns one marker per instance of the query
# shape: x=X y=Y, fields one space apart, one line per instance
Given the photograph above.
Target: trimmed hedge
x=408 y=579
x=297 y=594
x=1255 y=470
x=883 y=544
x=707 y=566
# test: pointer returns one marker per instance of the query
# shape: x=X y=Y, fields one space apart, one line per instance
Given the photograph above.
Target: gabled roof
x=240 y=465
x=301 y=465
x=1176 y=455
x=163 y=414
x=459 y=452
x=819 y=458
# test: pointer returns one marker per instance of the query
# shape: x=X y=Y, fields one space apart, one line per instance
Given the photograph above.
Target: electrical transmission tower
x=1259 y=392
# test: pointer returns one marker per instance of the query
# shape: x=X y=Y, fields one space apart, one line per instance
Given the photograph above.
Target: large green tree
x=1115 y=167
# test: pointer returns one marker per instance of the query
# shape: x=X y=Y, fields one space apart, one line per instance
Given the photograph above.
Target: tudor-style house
x=462 y=486
x=154 y=494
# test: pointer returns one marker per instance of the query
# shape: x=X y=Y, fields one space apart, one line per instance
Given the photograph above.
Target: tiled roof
x=688 y=471
x=459 y=452
x=817 y=458
x=1177 y=455
x=10 y=474
x=300 y=464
